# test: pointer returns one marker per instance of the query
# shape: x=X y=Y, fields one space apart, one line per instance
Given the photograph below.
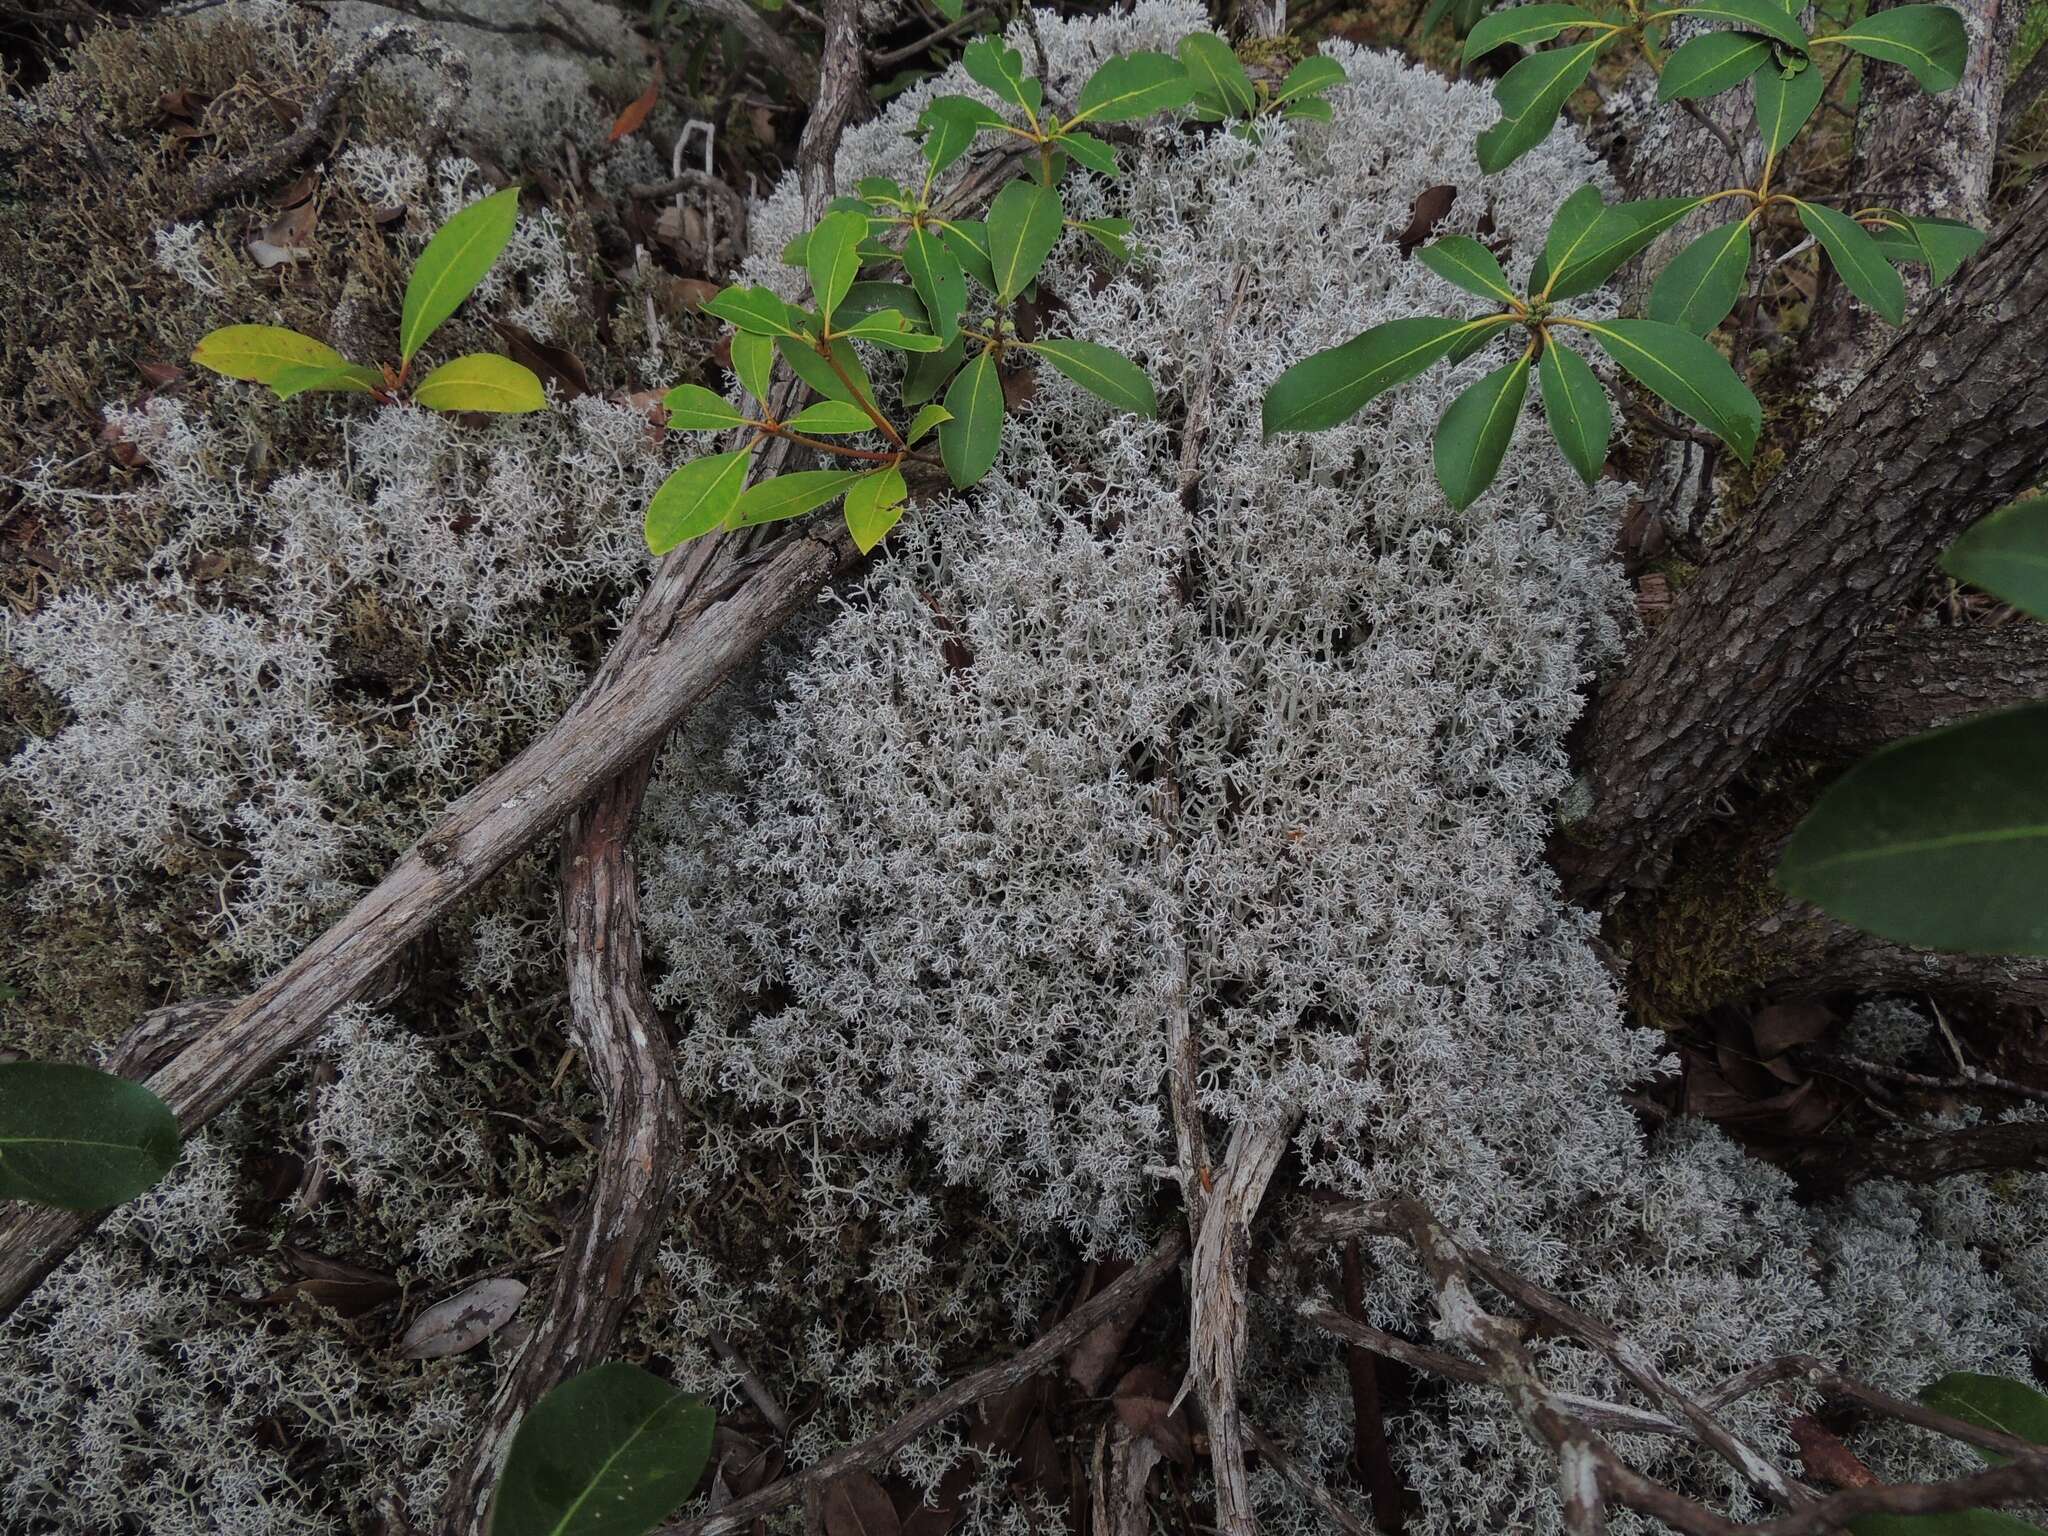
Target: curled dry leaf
x=1144 y=1401
x=1431 y=205
x=1826 y=1458
x=633 y=116
x=463 y=1320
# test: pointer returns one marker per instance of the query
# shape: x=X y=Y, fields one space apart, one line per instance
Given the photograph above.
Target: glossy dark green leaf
x=1090 y=152
x=1930 y=41
x=1331 y=386
x=1473 y=436
x=968 y=443
x=928 y=371
x=1784 y=101
x=79 y=1139
x=1024 y=224
x=1525 y=26
x=935 y=273
x=757 y=311
x=791 y=495
x=693 y=408
x=967 y=239
x=1113 y=235
x=951 y=124
x=1581 y=420
x=1704 y=280
x=1710 y=64
x=869 y=296
x=1464 y=262
x=999 y=68
x=1939 y=841
x=1530 y=96
x=2006 y=554
x=1940 y=245
x=832 y=257
x=1613 y=239
x=882 y=189
x=753 y=363
x=831 y=418
x=696 y=498
x=1218 y=72
x=1687 y=374
x=1569 y=227
x=806 y=363
x=1132 y=86
x=1102 y=372
x=1311 y=77
x=1764 y=16
x=611 y=1452
x=873 y=506
x=451 y=266
x=891 y=328
x=1858 y=261
x=1991 y=1402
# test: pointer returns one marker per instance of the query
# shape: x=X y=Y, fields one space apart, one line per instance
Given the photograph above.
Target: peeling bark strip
x=719 y=608
x=1903 y=682
x=625 y=1050
x=1948 y=424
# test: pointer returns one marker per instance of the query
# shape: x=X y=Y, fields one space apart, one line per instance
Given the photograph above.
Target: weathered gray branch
x=1898 y=683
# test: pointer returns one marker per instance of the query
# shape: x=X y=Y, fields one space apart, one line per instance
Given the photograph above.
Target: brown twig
x=1368 y=1423
x=732 y=206
x=1325 y=1502
x=874 y=1454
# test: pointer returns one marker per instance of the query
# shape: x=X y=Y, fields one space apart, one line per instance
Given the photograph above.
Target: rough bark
x=625 y=1050
x=2020 y=97
x=1947 y=425
x=1828 y=958
x=1901 y=682
x=779 y=51
x=1832 y=1166
x=1922 y=154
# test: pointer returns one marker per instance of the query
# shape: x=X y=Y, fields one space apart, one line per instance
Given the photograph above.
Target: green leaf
x=1686 y=373
x=1939 y=841
x=1708 y=65
x=993 y=64
x=969 y=441
x=1967 y=1522
x=1024 y=224
x=1311 y=77
x=806 y=363
x=831 y=418
x=950 y=125
x=1858 y=261
x=791 y=495
x=882 y=189
x=693 y=408
x=1941 y=245
x=1113 y=235
x=967 y=239
x=1929 y=40
x=1217 y=71
x=1614 y=238
x=1784 y=102
x=753 y=363
x=1102 y=372
x=1580 y=418
x=935 y=273
x=2006 y=554
x=1132 y=86
x=1530 y=96
x=890 y=328
x=871 y=297
x=1091 y=153
x=1991 y=1402
x=1464 y=262
x=1704 y=280
x=696 y=498
x=1765 y=16
x=928 y=371
x=832 y=257
x=873 y=507
x=1569 y=227
x=1312 y=111
x=260 y=353
x=451 y=266
x=1472 y=438
x=610 y=1452
x=952 y=10
x=79 y=1139
x=923 y=422
x=1331 y=386
x=348 y=378
x=482 y=381
x=757 y=311
x=1525 y=25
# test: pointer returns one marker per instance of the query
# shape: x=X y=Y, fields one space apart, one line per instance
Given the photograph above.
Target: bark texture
x=1901 y=682
x=1945 y=427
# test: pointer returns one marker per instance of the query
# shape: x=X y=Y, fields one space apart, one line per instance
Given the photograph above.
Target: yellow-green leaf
x=347 y=379
x=482 y=381
x=1132 y=86
x=696 y=498
x=831 y=418
x=451 y=266
x=262 y=352
x=693 y=408
x=753 y=363
x=832 y=257
x=791 y=495
x=1102 y=372
x=926 y=419
x=873 y=507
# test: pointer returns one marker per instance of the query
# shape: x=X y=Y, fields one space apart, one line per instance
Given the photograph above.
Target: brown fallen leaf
x=160 y=375
x=348 y=1290
x=285 y=238
x=1144 y=1401
x=552 y=363
x=948 y=1504
x=1826 y=1458
x=1019 y=387
x=1431 y=205
x=633 y=116
x=1782 y=1026
x=298 y=192
x=857 y=1505
x=463 y=1320
x=185 y=106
